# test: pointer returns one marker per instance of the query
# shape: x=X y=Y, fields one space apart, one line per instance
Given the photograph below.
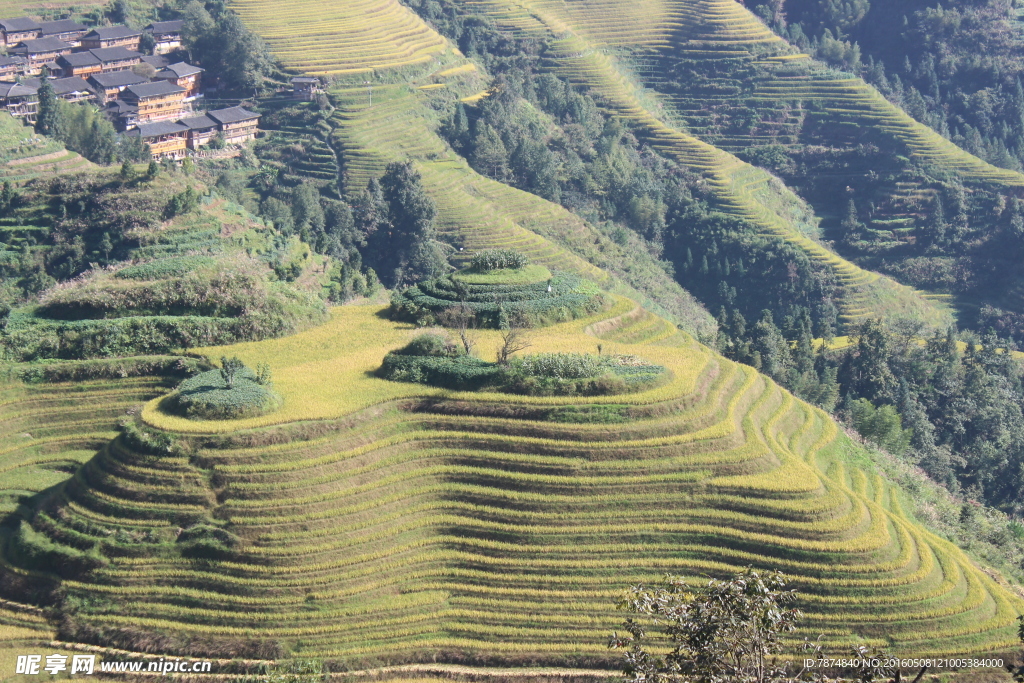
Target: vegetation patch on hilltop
x=500 y=285
x=436 y=361
x=234 y=391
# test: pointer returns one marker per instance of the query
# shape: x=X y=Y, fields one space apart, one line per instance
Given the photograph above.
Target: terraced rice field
x=372 y=135
x=477 y=212
x=25 y=155
x=394 y=522
x=702 y=29
x=48 y=430
x=359 y=36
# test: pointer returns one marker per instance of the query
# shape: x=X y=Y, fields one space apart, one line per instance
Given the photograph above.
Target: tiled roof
x=111 y=33
x=231 y=115
x=165 y=26
x=61 y=86
x=179 y=70
x=117 y=79
x=156 y=61
x=51 y=28
x=15 y=90
x=43 y=45
x=114 y=54
x=198 y=122
x=78 y=59
x=152 y=130
x=19 y=24
x=120 y=107
x=154 y=89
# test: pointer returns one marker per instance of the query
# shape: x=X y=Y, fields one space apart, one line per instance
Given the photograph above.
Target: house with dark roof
x=68 y=30
x=236 y=124
x=18 y=30
x=166 y=140
x=201 y=130
x=124 y=114
x=19 y=100
x=109 y=86
x=156 y=61
x=116 y=58
x=73 y=89
x=79 y=64
x=103 y=60
x=39 y=52
x=112 y=36
x=185 y=75
x=166 y=36
x=306 y=87
x=157 y=101
x=11 y=67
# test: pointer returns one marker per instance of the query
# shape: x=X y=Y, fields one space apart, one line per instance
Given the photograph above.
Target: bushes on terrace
x=139 y=366
x=570 y=297
x=437 y=361
x=232 y=392
x=496 y=259
x=580 y=374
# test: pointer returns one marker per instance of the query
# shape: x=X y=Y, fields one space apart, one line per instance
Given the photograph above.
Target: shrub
x=140 y=366
x=208 y=542
x=544 y=374
x=466 y=373
x=429 y=344
x=152 y=443
x=207 y=396
x=495 y=259
x=558 y=365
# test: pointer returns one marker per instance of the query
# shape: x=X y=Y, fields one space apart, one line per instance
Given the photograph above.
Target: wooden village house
x=166 y=36
x=18 y=30
x=185 y=75
x=68 y=30
x=166 y=140
x=157 y=101
x=40 y=52
x=236 y=124
x=109 y=86
x=112 y=36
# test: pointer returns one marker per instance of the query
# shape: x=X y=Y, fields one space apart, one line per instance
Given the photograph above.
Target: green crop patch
x=208 y=396
x=493 y=301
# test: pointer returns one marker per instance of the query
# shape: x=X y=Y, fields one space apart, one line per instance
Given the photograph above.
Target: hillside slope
x=740 y=189
x=370 y=520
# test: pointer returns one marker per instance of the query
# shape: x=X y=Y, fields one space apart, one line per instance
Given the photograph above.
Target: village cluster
x=160 y=102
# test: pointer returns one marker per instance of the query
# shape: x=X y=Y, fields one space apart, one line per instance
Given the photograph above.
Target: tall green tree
x=407 y=248
x=49 y=120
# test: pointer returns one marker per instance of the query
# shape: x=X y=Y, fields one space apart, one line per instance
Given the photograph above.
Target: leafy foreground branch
x=726 y=632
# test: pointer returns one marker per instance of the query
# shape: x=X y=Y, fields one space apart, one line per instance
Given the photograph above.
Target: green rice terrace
x=377 y=521
x=204 y=459
x=493 y=293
